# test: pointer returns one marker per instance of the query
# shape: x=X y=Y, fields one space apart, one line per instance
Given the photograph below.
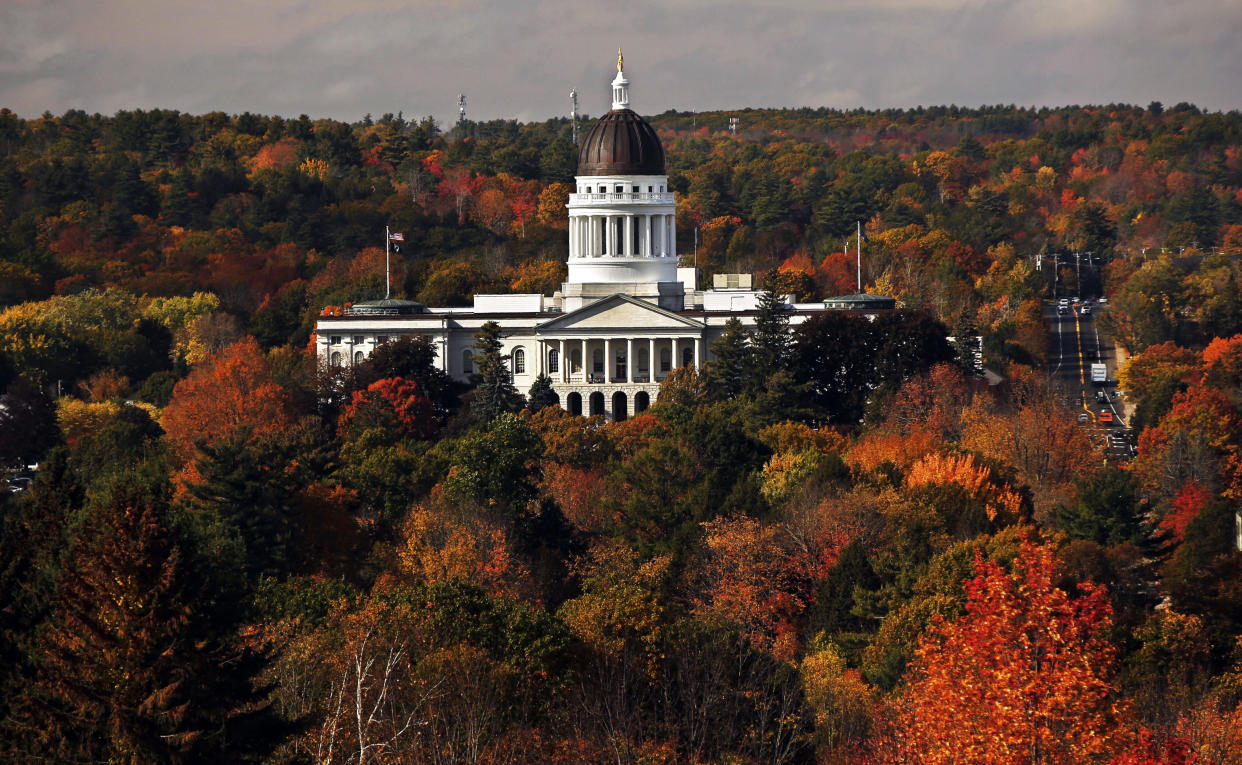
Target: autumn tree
x=394 y=405
x=1022 y=676
x=413 y=358
x=231 y=390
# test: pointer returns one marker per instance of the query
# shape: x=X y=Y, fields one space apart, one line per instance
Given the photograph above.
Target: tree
x=394 y=405
x=241 y=502
x=231 y=390
x=771 y=341
x=497 y=465
x=494 y=393
x=541 y=394
x=731 y=372
x=1022 y=676
x=130 y=668
x=412 y=357
x=1108 y=510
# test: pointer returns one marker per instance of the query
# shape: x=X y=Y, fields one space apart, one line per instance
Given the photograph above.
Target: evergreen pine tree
x=541 y=394
x=494 y=393
x=730 y=374
x=772 y=338
x=129 y=668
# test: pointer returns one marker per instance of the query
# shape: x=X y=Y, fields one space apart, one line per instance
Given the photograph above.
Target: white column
x=607 y=360
x=627 y=222
x=672 y=237
x=562 y=364
x=651 y=360
x=675 y=359
x=630 y=361
x=584 y=360
x=696 y=352
x=611 y=230
x=646 y=236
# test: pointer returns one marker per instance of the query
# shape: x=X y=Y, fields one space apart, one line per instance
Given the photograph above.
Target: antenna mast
x=461 y=107
x=573 y=114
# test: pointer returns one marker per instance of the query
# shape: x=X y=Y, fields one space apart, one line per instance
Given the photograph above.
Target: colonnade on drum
x=624 y=236
x=587 y=361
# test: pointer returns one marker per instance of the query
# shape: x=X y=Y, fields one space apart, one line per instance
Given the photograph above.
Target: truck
x=1099 y=373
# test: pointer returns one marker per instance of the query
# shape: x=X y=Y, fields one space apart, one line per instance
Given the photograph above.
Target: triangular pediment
x=618 y=312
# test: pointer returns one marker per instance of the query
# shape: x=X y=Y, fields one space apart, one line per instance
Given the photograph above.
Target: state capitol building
x=626 y=316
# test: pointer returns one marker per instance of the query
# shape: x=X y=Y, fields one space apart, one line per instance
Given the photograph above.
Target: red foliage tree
x=393 y=404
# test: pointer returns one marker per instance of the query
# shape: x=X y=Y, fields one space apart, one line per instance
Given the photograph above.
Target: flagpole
x=387 y=248
x=859 y=224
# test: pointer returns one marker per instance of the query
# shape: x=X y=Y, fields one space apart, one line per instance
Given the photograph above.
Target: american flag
x=396 y=237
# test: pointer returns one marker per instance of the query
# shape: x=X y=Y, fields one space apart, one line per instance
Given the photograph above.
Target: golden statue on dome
x=620 y=60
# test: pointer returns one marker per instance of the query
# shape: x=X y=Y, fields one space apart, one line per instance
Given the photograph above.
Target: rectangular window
x=335 y=339
x=635 y=189
x=359 y=339
x=381 y=339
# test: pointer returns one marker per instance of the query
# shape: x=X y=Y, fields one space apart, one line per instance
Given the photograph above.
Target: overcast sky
x=520 y=58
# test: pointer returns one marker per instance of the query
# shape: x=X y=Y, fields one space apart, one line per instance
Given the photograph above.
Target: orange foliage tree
x=1021 y=677
x=230 y=390
x=755 y=578
x=441 y=545
x=972 y=476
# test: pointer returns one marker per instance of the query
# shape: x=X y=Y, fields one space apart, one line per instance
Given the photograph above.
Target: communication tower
x=461 y=107
x=573 y=114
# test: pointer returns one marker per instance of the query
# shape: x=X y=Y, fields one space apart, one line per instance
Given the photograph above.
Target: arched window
x=620 y=364
x=519 y=361
x=597 y=361
x=687 y=357
x=554 y=361
x=357 y=357
x=467 y=363
x=666 y=359
x=335 y=358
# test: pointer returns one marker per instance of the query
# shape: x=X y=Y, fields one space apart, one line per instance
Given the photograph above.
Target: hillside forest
x=833 y=544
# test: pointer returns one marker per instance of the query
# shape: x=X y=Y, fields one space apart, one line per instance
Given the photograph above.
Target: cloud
x=519 y=60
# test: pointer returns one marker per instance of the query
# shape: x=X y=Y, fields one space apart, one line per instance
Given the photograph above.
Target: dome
x=621 y=143
x=386 y=307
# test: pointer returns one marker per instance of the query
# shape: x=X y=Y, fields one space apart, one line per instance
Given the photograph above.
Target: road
x=1075 y=344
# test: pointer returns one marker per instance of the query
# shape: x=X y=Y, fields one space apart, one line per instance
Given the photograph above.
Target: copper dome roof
x=621 y=143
